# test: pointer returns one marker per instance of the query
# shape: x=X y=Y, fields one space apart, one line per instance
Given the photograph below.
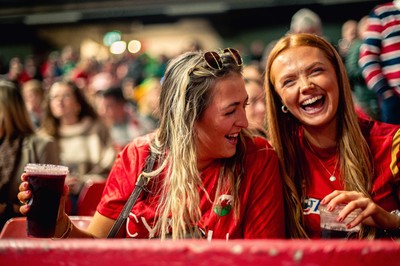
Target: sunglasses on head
x=214 y=61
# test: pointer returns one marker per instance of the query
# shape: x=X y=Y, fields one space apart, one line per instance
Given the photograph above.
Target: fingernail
x=339 y=219
x=322 y=202
x=27 y=192
x=25 y=185
x=329 y=208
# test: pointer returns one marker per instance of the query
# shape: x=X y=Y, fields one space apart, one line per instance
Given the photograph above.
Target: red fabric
x=37 y=252
x=261 y=201
x=385 y=191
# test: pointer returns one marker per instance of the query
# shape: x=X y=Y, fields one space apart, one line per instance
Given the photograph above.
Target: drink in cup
x=46 y=182
x=330 y=228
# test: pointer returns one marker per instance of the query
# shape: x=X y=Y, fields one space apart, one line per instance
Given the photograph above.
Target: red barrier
x=196 y=252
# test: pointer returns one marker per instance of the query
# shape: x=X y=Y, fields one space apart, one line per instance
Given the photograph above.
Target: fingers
x=340 y=196
x=24 y=177
x=24 y=194
x=63 y=199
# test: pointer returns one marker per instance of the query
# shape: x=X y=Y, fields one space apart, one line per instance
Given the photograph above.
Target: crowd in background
x=93 y=109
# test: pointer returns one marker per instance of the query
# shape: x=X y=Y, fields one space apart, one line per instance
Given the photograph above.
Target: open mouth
x=313 y=104
x=232 y=138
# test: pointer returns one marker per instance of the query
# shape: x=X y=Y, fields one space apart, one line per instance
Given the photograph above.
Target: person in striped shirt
x=380 y=58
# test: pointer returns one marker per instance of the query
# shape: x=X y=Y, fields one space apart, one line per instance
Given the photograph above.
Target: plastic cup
x=46 y=182
x=330 y=228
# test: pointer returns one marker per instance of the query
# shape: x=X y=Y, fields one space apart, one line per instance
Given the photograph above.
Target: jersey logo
x=311 y=206
x=223 y=205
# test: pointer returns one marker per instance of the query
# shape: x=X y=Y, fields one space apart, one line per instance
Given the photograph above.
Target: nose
x=242 y=119
x=304 y=83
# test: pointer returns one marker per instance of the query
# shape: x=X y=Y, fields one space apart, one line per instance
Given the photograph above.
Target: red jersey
x=384 y=142
x=261 y=198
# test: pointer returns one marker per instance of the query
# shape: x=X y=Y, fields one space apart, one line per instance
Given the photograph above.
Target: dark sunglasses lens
x=235 y=54
x=213 y=60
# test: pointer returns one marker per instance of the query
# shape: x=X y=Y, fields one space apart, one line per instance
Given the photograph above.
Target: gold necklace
x=332 y=176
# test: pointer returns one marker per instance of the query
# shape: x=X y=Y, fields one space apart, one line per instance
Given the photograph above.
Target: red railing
x=196 y=252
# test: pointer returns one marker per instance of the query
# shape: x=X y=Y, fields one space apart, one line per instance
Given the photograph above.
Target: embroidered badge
x=223 y=205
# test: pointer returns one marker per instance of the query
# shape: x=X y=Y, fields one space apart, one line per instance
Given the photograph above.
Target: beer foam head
x=46 y=169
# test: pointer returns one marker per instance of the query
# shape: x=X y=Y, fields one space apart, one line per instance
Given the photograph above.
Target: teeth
x=312 y=100
x=233 y=135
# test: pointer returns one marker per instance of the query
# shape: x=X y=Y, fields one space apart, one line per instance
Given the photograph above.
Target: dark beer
x=47 y=189
x=332 y=233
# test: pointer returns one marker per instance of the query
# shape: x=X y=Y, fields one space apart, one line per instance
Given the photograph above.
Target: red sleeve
x=122 y=178
x=264 y=210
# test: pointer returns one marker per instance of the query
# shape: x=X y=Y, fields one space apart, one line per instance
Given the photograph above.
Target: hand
x=25 y=195
x=371 y=214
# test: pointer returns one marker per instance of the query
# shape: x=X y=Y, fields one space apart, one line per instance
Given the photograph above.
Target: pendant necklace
x=332 y=176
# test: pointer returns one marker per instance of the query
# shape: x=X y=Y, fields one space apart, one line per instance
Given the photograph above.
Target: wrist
x=397 y=214
x=64 y=229
x=394 y=233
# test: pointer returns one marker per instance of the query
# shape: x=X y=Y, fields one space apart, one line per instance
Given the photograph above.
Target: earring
x=284 y=109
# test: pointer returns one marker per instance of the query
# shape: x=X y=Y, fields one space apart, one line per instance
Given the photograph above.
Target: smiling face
x=307 y=84
x=219 y=126
x=63 y=103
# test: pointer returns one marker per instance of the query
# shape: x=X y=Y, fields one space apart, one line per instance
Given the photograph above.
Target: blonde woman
x=211 y=178
x=328 y=154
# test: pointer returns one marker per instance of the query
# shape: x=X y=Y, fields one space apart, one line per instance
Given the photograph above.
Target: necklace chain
x=332 y=176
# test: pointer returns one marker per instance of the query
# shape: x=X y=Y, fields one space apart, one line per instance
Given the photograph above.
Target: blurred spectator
x=51 y=70
x=303 y=21
x=124 y=123
x=19 y=145
x=82 y=74
x=365 y=99
x=31 y=70
x=147 y=105
x=306 y=21
x=84 y=140
x=255 y=111
x=33 y=94
x=68 y=59
x=15 y=69
x=349 y=34
x=380 y=58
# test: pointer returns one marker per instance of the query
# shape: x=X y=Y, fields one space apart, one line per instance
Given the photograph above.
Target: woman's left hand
x=372 y=214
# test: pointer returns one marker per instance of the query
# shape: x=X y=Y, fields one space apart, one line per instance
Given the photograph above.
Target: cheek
x=286 y=96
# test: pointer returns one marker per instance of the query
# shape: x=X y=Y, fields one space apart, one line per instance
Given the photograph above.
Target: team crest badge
x=223 y=205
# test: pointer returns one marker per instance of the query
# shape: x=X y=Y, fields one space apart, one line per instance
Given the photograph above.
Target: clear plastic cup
x=46 y=182
x=330 y=228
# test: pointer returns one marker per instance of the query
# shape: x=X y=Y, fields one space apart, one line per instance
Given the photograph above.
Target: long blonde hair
x=283 y=129
x=186 y=92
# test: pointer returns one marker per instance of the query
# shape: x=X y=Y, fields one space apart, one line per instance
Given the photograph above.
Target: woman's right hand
x=24 y=194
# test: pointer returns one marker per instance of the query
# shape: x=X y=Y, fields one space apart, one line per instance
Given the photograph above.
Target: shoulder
x=259 y=150
x=376 y=129
x=257 y=144
x=39 y=140
x=138 y=149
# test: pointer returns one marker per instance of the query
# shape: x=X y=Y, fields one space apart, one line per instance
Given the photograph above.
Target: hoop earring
x=284 y=109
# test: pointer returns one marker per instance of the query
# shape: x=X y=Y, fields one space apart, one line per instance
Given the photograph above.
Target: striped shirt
x=380 y=51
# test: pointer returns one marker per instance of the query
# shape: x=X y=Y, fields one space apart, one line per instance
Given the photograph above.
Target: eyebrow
x=235 y=103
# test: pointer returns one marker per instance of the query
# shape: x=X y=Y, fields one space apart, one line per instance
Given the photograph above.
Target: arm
x=370 y=60
x=371 y=214
x=98 y=227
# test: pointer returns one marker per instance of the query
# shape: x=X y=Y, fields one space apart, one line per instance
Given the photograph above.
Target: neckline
x=322 y=153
